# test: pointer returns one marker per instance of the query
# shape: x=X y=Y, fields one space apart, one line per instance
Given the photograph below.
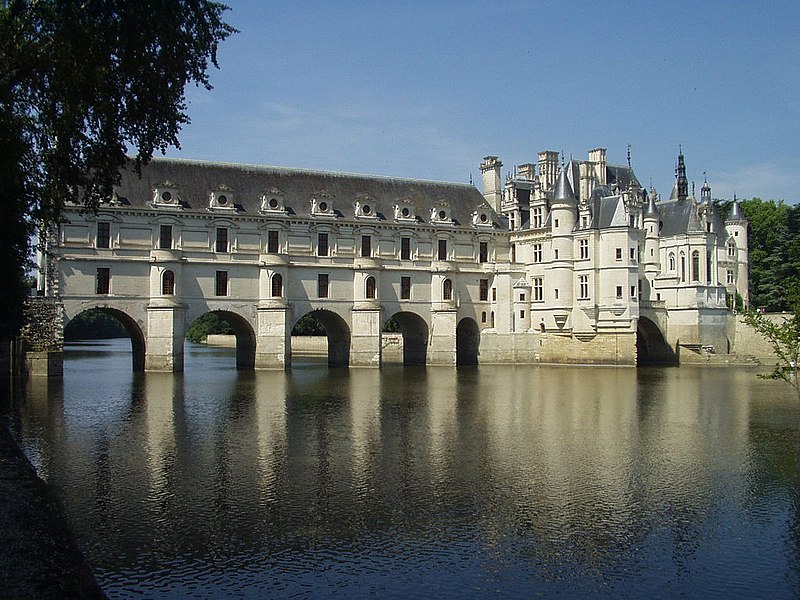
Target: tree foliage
x=208 y=324
x=94 y=325
x=308 y=324
x=784 y=338
x=82 y=83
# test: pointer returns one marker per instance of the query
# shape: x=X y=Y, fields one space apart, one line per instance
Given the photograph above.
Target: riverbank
x=39 y=556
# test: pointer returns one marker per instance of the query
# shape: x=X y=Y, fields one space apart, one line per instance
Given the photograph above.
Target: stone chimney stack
x=598 y=157
x=587 y=181
x=492 y=184
x=548 y=168
x=527 y=171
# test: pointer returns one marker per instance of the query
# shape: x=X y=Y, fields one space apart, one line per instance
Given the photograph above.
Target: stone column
x=442 y=344
x=166 y=329
x=273 y=342
x=365 y=337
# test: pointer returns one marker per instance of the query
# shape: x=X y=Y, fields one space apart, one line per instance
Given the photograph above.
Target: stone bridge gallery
x=572 y=263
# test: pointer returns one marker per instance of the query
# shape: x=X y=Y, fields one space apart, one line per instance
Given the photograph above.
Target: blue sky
x=427 y=89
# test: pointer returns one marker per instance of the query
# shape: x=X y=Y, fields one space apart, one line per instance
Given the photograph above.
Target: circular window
x=484 y=218
x=273 y=203
x=366 y=209
x=442 y=215
x=323 y=206
x=222 y=200
x=166 y=196
x=405 y=212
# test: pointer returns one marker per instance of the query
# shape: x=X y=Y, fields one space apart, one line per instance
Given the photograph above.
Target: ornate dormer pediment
x=364 y=207
x=322 y=204
x=272 y=201
x=404 y=211
x=221 y=199
x=441 y=213
x=522 y=283
x=482 y=217
x=166 y=195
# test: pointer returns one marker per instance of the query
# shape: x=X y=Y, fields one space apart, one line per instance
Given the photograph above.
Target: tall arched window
x=671 y=261
x=683 y=267
x=695 y=266
x=277 y=285
x=447 y=290
x=369 y=286
x=168 y=283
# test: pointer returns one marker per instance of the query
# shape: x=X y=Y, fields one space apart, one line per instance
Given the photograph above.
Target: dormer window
x=481 y=217
x=272 y=201
x=404 y=211
x=441 y=214
x=166 y=195
x=322 y=205
x=364 y=208
x=221 y=199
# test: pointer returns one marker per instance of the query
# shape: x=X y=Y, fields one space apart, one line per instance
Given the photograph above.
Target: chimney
x=527 y=171
x=492 y=185
x=598 y=157
x=548 y=168
x=587 y=181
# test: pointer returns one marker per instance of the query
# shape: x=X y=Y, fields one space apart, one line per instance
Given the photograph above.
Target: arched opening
x=168 y=283
x=695 y=266
x=335 y=329
x=105 y=323
x=468 y=339
x=277 y=285
x=369 y=288
x=413 y=339
x=651 y=347
x=447 y=289
x=223 y=322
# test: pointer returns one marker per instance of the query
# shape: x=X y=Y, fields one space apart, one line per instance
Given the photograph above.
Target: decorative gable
x=404 y=211
x=221 y=199
x=364 y=208
x=272 y=201
x=482 y=217
x=322 y=204
x=166 y=195
x=441 y=214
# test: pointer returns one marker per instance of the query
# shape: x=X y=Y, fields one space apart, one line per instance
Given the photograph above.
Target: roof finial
x=629 y=156
x=562 y=158
x=470 y=177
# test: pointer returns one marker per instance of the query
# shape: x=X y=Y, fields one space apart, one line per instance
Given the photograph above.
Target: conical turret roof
x=651 y=210
x=563 y=193
x=736 y=213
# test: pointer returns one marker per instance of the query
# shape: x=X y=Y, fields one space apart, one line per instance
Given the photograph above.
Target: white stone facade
x=562 y=264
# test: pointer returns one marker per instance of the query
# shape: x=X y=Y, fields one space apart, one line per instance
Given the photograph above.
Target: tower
x=681 y=183
x=736 y=228
x=492 y=185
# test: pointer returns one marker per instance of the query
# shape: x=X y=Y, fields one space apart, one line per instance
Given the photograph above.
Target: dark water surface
x=499 y=481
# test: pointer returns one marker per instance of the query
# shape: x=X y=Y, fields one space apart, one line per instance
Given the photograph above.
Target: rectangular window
x=272 y=242
x=405 y=248
x=221 y=284
x=405 y=288
x=632 y=252
x=103 y=235
x=322 y=244
x=494 y=294
x=555 y=293
x=730 y=277
x=522 y=297
x=366 y=245
x=103 y=280
x=483 y=252
x=522 y=314
x=442 y=254
x=633 y=291
x=583 y=287
x=322 y=285
x=584 y=248
x=165 y=237
x=555 y=254
x=537 y=253
x=619 y=253
x=619 y=291
x=222 y=239
x=484 y=289
x=538 y=289
x=537 y=218
x=555 y=222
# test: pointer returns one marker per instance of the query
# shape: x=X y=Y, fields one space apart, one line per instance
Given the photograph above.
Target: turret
x=492 y=184
x=652 y=257
x=736 y=230
x=705 y=191
x=563 y=209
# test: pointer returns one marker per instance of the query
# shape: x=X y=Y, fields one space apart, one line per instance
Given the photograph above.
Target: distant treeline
x=94 y=325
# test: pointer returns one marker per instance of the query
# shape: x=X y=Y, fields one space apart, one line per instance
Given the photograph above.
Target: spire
x=563 y=191
x=651 y=211
x=681 y=182
x=736 y=212
x=705 y=191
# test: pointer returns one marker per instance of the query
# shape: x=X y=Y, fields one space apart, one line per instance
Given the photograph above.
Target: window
x=322 y=285
x=405 y=288
x=442 y=253
x=277 y=285
x=522 y=314
x=322 y=244
x=484 y=289
x=103 y=280
x=584 y=248
x=537 y=253
x=730 y=277
x=671 y=261
x=405 y=248
x=103 y=235
x=555 y=222
x=633 y=291
x=168 y=283
x=221 y=284
x=695 y=266
x=731 y=248
x=555 y=254
x=494 y=294
x=522 y=297
x=483 y=252
x=222 y=239
x=538 y=289
x=272 y=242
x=491 y=319
x=483 y=317
x=583 y=287
x=447 y=290
x=618 y=253
x=619 y=291
x=537 y=218
x=366 y=246
x=513 y=253
x=632 y=253
x=708 y=267
x=683 y=267
x=165 y=237
x=369 y=288
x=555 y=293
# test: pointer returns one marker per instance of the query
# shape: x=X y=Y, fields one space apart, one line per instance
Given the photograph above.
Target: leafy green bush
x=94 y=324
x=209 y=324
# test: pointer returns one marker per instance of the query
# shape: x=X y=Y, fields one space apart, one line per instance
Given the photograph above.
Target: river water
x=495 y=481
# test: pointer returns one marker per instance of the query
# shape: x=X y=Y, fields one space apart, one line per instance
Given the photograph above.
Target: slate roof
x=247 y=183
x=681 y=216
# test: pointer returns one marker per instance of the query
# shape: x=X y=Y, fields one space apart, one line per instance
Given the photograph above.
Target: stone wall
x=748 y=341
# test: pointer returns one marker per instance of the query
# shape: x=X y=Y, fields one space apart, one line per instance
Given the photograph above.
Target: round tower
x=652 y=257
x=563 y=209
x=736 y=230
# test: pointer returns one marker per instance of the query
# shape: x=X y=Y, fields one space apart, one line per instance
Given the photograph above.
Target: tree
x=785 y=341
x=208 y=324
x=81 y=84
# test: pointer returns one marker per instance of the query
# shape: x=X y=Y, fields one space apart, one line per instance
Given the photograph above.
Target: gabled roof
x=196 y=179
